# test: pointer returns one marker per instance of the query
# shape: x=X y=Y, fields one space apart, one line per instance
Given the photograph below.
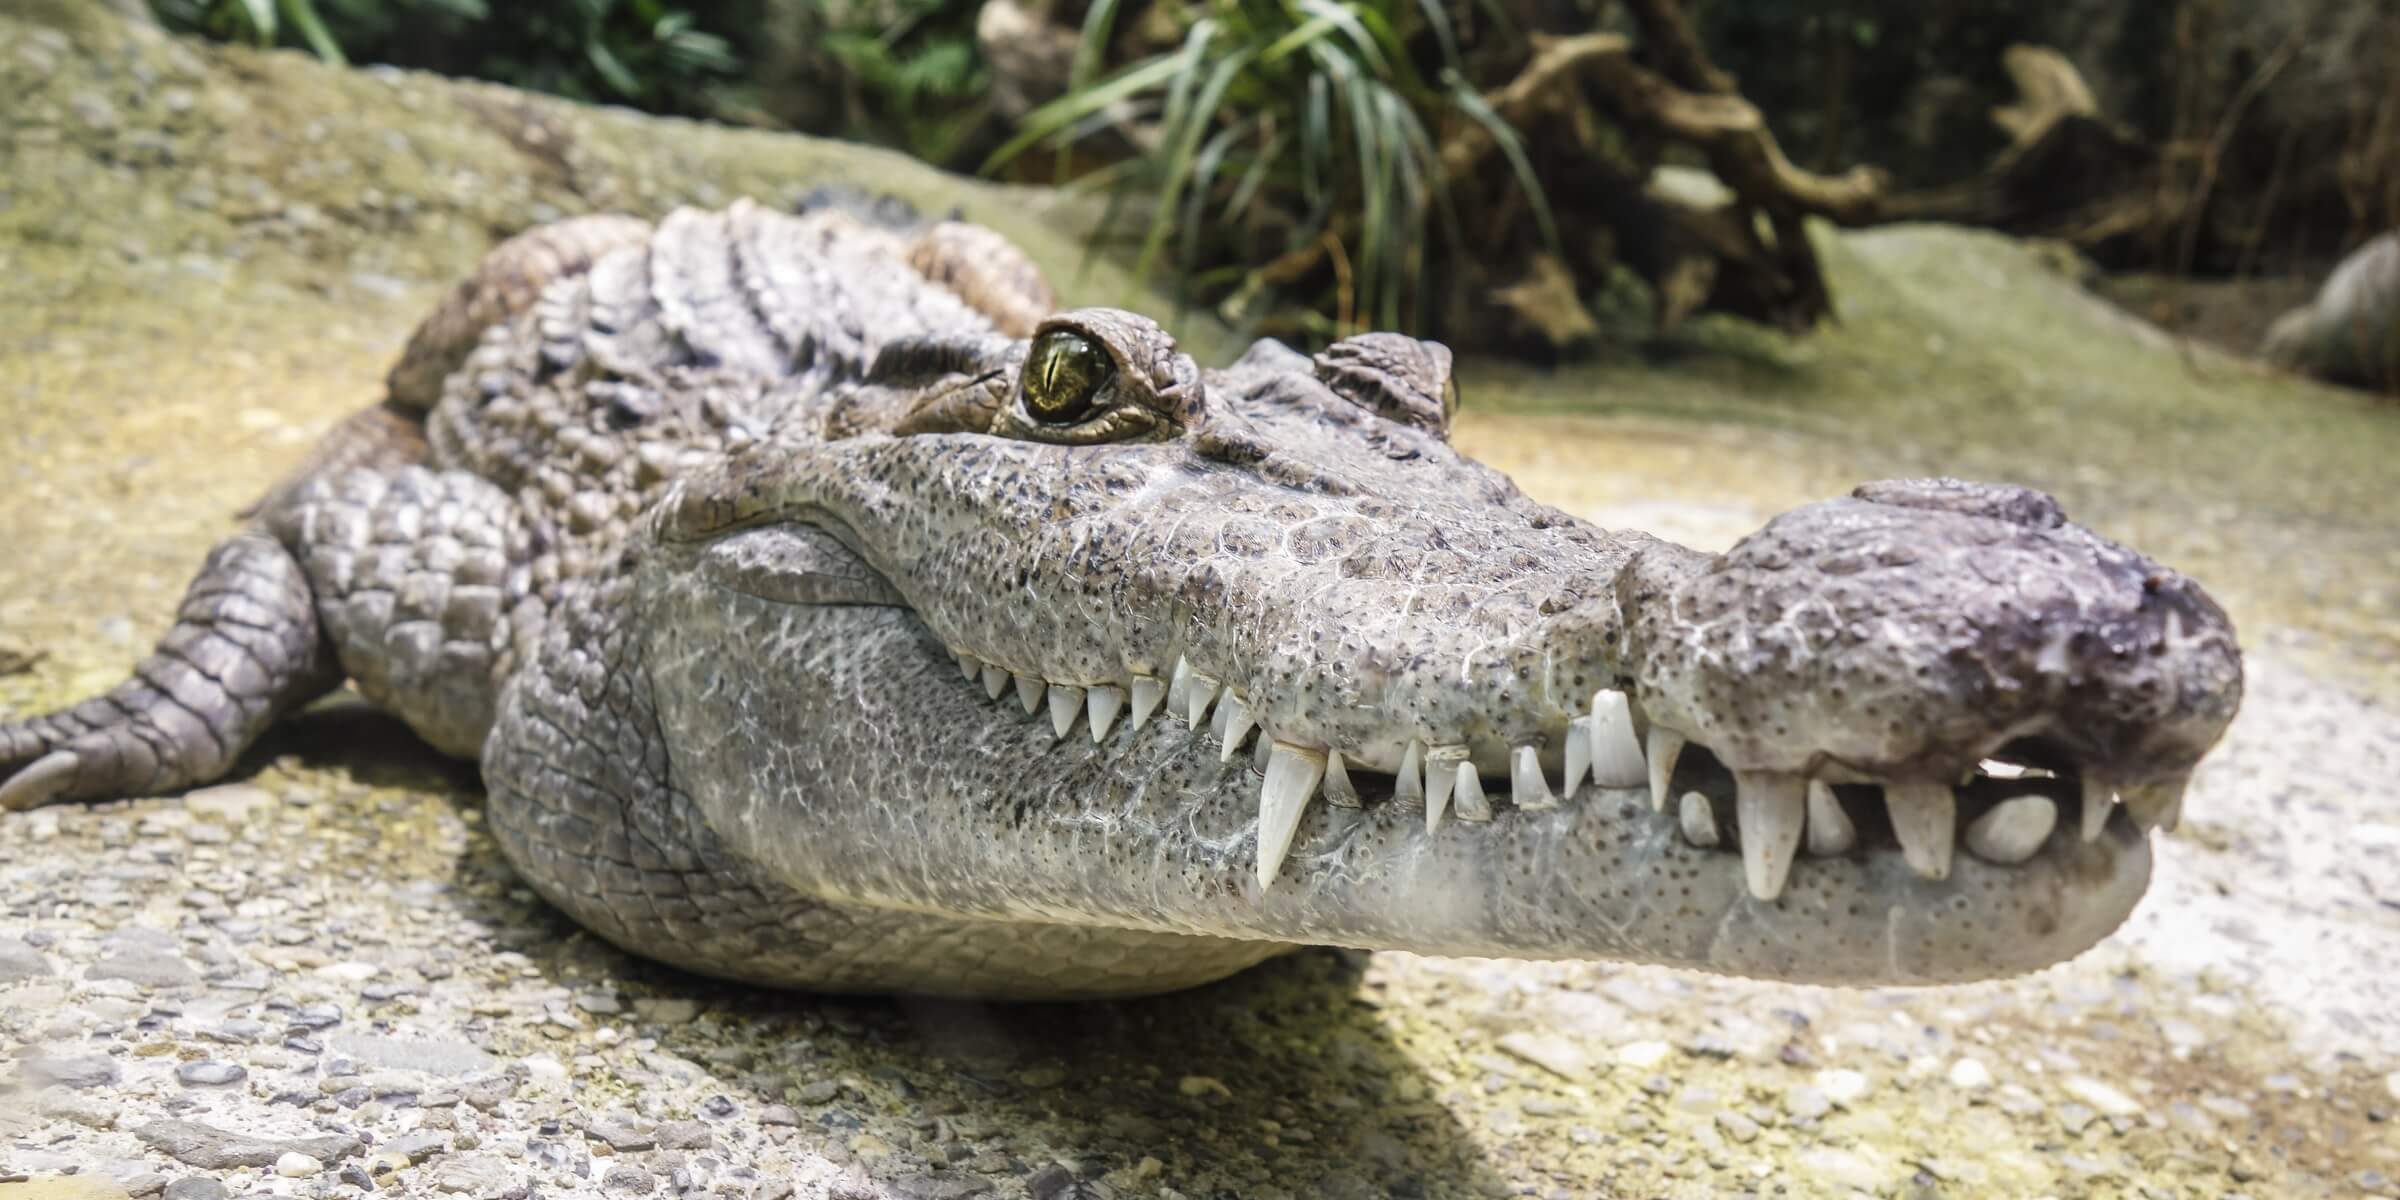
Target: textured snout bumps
x=1917 y=625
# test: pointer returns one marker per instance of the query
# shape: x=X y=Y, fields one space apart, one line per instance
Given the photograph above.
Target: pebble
x=196 y=1187
x=667 y=1011
x=1551 y=1053
x=204 y=1146
x=2101 y=1096
x=623 y=1131
x=1197 y=1086
x=819 y=1091
x=147 y=968
x=1970 y=1074
x=228 y=804
x=434 y=1056
x=1643 y=1055
x=79 y=1071
x=1738 y=1127
x=292 y=1164
x=778 y=1114
x=1841 y=1167
x=211 y=1074
x=1807 y=1102
x=1843 y=1086
x=942 y=1185
x=20 y=962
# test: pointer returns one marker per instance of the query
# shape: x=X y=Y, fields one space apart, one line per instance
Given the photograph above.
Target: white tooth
x=1579 y=754
x=1066 y=700
x=1232 y=726
x=1699 y=824
x=968 y=667
x=1772 y=808
x=1148 y=693
x=1197 y=696
x=1339 y=791
x=1029 y=692
x=1925 y=819
x=1258 y=752
x=1526 y=785
x=1616 y=753
x=2013 y=830
x=1101 y=706
x=1467 y=799
x=1292 y=776
x=1666 y=746
x=2097 y=796
x=2157 y=804
x=1829 y=829
x=1179 y=685
x=1408 y=787
x=995 y=681
x=1441 y=778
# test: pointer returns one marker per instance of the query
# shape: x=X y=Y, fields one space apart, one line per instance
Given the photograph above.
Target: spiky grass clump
x=1310 y=124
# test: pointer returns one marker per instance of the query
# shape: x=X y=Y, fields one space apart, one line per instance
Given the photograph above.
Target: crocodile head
x=1254 y=653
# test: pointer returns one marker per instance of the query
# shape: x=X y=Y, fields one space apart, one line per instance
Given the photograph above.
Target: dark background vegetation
x=1309 y=167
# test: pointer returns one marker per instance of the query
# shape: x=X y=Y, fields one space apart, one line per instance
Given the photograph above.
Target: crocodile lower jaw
x=2003 y=812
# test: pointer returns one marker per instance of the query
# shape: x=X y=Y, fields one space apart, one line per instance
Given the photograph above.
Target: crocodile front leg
x=245 y=649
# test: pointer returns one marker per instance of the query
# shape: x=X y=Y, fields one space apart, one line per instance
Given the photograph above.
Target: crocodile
x=829 y=608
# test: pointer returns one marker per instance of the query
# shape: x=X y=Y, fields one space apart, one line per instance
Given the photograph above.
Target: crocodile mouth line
x=2018 y=802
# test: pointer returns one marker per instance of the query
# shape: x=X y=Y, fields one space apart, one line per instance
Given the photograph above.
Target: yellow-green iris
x=1063 y=375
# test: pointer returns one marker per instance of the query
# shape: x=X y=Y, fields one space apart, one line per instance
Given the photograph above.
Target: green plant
x=645 y=52
x=1311 y=123
x=912 y=72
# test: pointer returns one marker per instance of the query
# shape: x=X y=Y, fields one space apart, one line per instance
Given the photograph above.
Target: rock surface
x=208 y=255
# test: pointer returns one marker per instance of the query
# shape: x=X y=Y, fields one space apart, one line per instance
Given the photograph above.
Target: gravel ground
x=320 y=979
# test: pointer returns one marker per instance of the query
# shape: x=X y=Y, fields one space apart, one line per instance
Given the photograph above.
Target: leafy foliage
x=1305 y=124
x=645 y=52
x=911 y=73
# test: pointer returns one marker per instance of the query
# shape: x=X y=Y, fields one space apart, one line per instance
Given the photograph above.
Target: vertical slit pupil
x=1063 y=374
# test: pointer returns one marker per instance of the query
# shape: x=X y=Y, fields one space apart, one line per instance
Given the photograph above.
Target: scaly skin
x=815 y=626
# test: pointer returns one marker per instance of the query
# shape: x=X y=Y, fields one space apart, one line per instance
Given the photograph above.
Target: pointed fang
x=1925 y=819
x=1066 y=700
x=1179 y=686
x=995 y=681
x=2158 y=804
x=1616 y=753
x=1197 y=696
x=1029 y=692
x=1339 y=791
x=2097 y=796
x=1526 y=784
x=968 y=667
x=1148 y=694
x=1830 y=832
x=1101 y=706
x=1467 y=799
x=1666 y=746
x=1408 y=787
x=1441 y=778
x=1579 y=755
x=1233 y=726
x=1292 y=777
x=1772 y=808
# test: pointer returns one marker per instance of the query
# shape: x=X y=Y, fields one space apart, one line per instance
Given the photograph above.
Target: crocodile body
x=828 y=611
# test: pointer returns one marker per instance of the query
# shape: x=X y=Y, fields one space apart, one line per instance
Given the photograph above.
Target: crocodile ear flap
x=1397 y=377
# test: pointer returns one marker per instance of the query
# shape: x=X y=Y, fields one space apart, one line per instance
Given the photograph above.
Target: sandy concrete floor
x=321 y=979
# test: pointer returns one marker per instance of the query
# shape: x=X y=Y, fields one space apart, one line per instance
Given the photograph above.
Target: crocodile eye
x=1064 y=372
